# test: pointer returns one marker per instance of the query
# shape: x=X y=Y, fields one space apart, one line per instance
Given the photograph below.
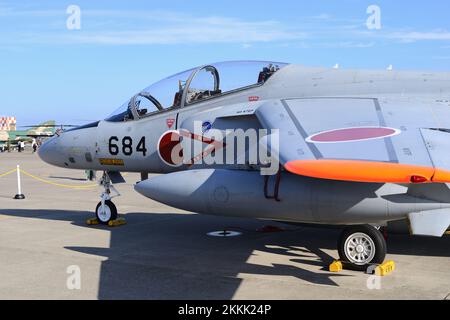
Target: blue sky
x=50 y=72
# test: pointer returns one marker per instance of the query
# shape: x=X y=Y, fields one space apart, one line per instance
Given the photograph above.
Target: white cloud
x=8 y=11
x=193 y=31
x=420 y=36
x=180 y=35
x=323 y=16
x=4 y=9
x=111 y=27
x=156 y=27
x=351 y=44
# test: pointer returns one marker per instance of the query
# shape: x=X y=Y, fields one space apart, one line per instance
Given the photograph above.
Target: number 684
x=126 y=146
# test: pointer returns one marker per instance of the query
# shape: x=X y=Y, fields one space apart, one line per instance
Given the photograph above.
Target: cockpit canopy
x=196 y=85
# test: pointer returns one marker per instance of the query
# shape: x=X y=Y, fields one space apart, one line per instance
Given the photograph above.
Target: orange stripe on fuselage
x=365 y=171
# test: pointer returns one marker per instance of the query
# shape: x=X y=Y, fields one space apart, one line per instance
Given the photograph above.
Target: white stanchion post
x=19 y=195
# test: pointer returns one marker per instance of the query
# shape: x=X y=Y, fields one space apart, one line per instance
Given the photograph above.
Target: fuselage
x=132 y=146
x=89 y=147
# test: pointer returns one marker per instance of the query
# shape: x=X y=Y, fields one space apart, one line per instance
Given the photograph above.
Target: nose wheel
x=362 y=246
x=106 y=211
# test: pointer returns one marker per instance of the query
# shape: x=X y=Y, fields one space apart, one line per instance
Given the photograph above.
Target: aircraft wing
x=38 y=135
x=359 y=139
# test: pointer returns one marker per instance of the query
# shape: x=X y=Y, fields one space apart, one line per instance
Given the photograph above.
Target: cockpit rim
x=194 y=72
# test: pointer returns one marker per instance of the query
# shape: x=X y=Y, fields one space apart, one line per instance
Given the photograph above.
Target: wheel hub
x=104 y=214
x=359 y=248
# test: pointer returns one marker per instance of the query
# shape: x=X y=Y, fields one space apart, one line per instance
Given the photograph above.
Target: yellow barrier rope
x=81 y=187
x=7 y=173
x=58 y=184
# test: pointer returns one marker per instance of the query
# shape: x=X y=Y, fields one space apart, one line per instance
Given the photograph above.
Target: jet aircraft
x=13 y=137
x=353 y=148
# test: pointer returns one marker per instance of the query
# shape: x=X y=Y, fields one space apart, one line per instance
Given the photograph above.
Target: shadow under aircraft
x=169 y=256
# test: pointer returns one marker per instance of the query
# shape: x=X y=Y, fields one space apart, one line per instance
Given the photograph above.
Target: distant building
x=8 y=123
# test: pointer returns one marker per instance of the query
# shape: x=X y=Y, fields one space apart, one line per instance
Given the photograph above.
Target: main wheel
x=361 y=246
x=108 y=214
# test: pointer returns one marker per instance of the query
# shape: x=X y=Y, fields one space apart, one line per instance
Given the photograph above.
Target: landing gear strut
x=106 y=211
x=362 y=246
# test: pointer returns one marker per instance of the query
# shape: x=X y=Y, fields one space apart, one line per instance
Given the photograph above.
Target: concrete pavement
x=164 y=253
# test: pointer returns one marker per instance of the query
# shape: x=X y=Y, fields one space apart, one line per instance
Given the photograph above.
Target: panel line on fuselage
x=301 y=130
x=388 y=141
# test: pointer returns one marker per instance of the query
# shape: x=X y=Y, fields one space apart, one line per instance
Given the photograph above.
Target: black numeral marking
x=113 y=148
x=141 y=147
x=127 y=146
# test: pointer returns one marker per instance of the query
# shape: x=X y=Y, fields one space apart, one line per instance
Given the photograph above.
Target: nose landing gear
x=362 y=246
x=106 y=211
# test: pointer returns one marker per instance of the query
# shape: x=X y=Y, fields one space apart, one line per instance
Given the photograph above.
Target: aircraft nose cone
x=48 y=152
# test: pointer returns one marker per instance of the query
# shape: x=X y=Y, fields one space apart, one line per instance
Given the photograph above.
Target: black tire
x=105 y=220
x=377 y=238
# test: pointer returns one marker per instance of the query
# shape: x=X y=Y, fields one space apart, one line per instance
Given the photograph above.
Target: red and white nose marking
x=352 y=135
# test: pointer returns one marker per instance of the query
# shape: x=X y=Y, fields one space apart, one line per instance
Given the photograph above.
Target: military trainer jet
x=282 y=142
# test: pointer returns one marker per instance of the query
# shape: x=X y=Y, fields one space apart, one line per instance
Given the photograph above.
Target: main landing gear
x=362 y=246
x=106 y=211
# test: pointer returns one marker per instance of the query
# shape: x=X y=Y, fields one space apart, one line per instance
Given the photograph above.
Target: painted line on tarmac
x=80 y=187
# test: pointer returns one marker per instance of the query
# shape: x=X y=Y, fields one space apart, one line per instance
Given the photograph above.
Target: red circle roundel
x=170 y=149
x=352 y=134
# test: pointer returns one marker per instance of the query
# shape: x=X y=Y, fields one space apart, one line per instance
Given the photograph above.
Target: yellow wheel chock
x=118 y=222
x=92 y=222
x=385 y=268
x=381 y=270
x=113 y=223
x=336 y=266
